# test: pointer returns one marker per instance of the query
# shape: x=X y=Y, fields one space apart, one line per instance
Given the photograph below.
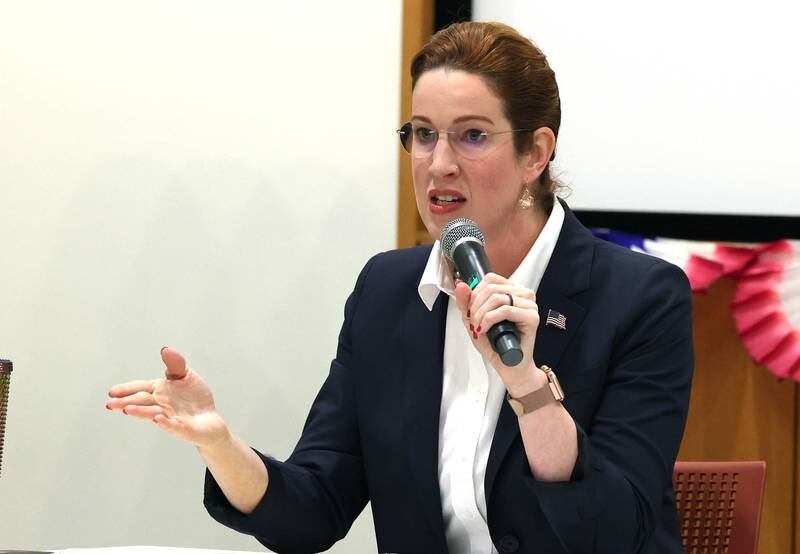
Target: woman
x=456 y=451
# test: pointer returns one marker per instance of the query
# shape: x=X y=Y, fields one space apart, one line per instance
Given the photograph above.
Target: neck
x=508 y=247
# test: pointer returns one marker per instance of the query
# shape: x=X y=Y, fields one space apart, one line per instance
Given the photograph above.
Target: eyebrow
x=458 y=119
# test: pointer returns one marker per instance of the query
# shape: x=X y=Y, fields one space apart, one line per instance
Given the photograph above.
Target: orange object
x=719 y=504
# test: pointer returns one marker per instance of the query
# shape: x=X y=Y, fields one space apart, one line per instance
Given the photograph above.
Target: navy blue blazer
x=625 y=362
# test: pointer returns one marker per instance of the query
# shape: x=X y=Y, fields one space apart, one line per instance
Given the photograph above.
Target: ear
x=536 y=160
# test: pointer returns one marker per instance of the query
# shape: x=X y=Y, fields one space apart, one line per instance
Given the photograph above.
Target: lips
x=445 y=201
x=445 y=197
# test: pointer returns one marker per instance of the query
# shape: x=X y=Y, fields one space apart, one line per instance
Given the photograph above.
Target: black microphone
x=5 y=382
x=462 y=243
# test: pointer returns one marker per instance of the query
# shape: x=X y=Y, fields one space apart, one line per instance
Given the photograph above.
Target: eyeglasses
x=466 y=140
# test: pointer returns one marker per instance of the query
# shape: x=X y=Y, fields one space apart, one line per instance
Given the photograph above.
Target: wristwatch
x=532 y=401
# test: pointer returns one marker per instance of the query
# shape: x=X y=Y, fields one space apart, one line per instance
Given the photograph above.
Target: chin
x=433 y=229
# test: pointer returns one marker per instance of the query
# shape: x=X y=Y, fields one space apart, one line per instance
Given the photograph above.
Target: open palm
x=180 y=403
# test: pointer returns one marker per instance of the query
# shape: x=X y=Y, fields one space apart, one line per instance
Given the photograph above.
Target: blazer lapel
x=566 y=275
x=423 y=337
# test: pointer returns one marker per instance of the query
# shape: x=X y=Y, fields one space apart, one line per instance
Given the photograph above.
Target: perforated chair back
x=719 y=504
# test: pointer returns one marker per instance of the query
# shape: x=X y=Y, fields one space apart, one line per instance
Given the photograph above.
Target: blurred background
x=206 y=175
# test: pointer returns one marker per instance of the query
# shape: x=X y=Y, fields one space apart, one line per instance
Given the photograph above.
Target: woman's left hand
x=489 y=303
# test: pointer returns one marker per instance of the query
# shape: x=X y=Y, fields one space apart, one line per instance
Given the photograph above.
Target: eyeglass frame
x=408 y=124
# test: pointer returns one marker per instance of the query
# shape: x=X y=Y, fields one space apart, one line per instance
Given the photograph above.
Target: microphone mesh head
x=5 y=380
x=456 y=230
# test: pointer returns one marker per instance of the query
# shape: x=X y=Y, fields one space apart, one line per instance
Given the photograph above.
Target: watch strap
x=550 y=392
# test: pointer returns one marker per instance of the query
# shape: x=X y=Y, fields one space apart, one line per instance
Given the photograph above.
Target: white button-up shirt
x=472 y=395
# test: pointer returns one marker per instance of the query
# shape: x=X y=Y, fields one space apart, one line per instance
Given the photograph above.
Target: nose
x=443 y=159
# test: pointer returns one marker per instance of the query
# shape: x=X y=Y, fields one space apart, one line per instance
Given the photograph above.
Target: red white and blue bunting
x=766 y=304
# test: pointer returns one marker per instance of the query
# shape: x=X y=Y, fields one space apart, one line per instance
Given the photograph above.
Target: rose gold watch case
x=531 y=402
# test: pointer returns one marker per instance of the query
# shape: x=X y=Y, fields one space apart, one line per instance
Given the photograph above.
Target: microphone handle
x=472 y=264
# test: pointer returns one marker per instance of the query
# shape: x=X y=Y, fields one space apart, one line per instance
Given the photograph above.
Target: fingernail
x=163 y=348
x=108 y=407
x=475 y=335
x=125 y=411
x=478 y=329
x=471 y=328
x=467 y=313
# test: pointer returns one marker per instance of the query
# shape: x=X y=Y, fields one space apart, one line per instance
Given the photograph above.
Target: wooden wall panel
x=417 y=29
x=739 y=411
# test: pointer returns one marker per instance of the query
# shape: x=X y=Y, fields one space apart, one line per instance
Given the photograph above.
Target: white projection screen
x=673 y=107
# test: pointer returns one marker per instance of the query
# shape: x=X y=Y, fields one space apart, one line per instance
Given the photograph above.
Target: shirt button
x=509 y=543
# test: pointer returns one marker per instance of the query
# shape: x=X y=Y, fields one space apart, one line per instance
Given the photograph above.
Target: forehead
x=442 y=95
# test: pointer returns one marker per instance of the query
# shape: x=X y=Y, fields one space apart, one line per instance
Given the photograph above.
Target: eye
x=424 y=134
x=473 y=136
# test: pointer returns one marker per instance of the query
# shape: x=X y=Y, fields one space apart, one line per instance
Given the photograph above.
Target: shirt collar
x=438 y=273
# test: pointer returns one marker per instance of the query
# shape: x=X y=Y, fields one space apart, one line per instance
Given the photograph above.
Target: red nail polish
x=467 y=313
x=475 y=335
x=478 y=329
x=125 y=411
x=108 y=407
x=471 y=328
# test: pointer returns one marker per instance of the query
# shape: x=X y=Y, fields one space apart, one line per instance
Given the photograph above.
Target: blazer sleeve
x=626 y=458
x=313 y=498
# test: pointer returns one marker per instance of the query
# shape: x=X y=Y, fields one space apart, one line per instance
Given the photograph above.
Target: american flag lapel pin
x=556 y=319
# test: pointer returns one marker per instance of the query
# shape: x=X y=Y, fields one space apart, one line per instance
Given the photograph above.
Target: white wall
x=206 y=175
x=679 y=106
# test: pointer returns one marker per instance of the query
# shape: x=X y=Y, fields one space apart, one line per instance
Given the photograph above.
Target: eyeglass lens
x=466 y=140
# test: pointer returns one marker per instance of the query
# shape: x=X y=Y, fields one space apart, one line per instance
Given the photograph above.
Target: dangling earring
x=526 y=198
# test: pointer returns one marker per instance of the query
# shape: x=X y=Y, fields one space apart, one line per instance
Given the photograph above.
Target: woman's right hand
x=180 y=403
